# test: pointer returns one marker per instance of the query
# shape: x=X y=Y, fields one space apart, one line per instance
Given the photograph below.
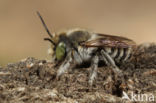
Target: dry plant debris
x=33 y=81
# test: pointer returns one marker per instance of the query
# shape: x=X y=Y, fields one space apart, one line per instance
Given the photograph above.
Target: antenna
x=45 y=26
x=48 y=39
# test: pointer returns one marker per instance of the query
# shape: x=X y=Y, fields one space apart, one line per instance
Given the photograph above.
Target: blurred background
x=21 y=32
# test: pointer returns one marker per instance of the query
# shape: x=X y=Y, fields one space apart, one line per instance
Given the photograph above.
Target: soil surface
x=34 y=81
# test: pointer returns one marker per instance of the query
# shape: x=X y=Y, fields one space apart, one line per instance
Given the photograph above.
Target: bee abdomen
x=127 y=54
x=119 y=54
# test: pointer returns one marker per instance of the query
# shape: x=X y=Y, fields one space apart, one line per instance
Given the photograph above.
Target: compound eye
x=60 y=51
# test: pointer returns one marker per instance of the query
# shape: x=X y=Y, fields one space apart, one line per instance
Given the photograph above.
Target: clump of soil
x=34 y=81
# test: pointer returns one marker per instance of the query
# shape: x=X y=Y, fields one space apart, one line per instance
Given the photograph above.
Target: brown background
x=21 y=32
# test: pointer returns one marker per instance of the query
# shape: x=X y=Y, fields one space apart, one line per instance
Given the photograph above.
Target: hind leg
x=110 y=62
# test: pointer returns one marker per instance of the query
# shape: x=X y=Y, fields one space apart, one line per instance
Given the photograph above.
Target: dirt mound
x=33 y=81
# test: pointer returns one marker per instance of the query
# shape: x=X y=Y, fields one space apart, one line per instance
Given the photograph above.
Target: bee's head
x=58 y=48
x=60 y=51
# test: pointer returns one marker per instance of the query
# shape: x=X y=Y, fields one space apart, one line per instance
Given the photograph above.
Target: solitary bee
x=78 y=46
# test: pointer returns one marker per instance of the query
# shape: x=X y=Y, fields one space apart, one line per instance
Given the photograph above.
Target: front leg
x=65 y=65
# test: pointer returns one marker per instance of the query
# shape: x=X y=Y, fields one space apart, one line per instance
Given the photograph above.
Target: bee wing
x=104 y=40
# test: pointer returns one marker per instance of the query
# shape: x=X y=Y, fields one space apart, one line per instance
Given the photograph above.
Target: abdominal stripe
x=119 y=54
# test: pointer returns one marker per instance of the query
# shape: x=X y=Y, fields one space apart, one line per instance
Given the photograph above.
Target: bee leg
x=110 y=62
x=77 y=57
x=65 y=65
x=94 y=67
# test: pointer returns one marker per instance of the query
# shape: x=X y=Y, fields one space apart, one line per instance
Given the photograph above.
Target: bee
x=75 y=47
